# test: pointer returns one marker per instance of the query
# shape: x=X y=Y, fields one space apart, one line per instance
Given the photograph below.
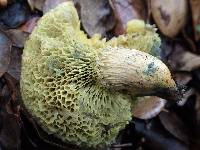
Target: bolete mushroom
x=80 y=89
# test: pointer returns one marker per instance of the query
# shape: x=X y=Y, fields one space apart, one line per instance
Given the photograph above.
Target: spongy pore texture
x=59 y=83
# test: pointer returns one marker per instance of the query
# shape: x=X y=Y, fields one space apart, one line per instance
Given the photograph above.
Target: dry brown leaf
x=169 y=15
x=5 y=50
x=195 y=8
x=148 y=107
x=50 y=4
x=96 y=16
x=126 y=10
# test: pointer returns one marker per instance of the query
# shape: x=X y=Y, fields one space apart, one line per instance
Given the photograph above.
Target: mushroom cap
x=59 y=86
x=61 y=77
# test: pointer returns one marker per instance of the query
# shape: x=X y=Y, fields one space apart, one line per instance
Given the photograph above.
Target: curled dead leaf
x=169 y=15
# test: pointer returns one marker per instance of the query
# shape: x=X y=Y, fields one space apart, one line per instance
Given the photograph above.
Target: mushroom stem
x=137 y=72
